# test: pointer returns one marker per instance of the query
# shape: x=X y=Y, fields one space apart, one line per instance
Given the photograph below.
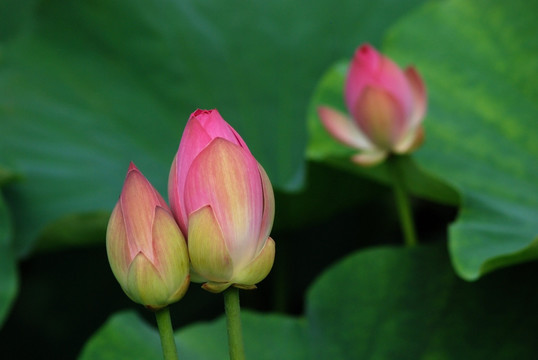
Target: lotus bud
x=146 y=249
x=222 y=198
x=387 y=107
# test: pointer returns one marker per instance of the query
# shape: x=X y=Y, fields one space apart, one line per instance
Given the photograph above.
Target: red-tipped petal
x=362 y=70
x=203 y=127
x=371 y=69
x=215 y=126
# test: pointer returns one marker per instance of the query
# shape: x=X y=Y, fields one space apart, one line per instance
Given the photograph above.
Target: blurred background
x=88 y=86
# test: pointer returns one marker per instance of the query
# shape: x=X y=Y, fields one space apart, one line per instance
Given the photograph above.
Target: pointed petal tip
x=365 y=49
x=366 y=55
x=132 y=167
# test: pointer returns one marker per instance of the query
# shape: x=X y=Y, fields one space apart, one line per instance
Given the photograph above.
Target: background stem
x=233 y=322
x=402 y=202
x=167 y=333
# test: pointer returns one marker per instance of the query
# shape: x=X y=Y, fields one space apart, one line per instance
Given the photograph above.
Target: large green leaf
x=383 y=303
x=482 y=123
x=8 y=269
x=283 y=338
x=86 y=87
x=398 y=303
x=124 y=336
x=478 y=59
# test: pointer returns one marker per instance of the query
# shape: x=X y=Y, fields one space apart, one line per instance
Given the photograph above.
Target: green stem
x=233 y=322
x=402 y=202
x=167 y=333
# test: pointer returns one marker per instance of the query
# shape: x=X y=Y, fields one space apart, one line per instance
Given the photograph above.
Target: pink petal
x=226 y=177
x=363 y=67
x=380 y=117
x=419 y=95
x=342 y=128
x=369 y=68
x=203 y=126
x=215 y=126
x=194 y=140
x=138 y=200
x=268 y=209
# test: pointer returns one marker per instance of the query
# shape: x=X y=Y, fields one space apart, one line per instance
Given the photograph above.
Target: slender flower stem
x=402 y=202
x=167 y=333
x=233 y=322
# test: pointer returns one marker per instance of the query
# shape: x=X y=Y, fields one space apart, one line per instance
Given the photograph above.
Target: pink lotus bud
x=146 y=250
x=224 y=201
x=387 y=106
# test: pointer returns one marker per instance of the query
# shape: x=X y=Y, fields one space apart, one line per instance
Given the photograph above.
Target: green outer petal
x=170 y=252
x=195 y=277
x=117 y=246
x=258 y=268
x=144 y=284
x=209 y=256
x=369 y=158
x=181 y=290
x=268 y=208
x=216 y=287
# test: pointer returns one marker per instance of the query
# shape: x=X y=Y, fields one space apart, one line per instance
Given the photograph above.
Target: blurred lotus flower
x=387 y=106
x=146 y=250
x=223 y=199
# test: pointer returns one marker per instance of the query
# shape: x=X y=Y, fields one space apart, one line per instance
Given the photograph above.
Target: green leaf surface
x=8 y=267
x=482 y=122
x=382 y=303
x=86 y=87
x=124 y=336
x=266 y=337
x=478 y=59
x=400 y=303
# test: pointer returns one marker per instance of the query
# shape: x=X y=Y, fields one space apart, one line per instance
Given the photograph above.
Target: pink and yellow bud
x=224 y=200
x=387 y=106
x=146 y=249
